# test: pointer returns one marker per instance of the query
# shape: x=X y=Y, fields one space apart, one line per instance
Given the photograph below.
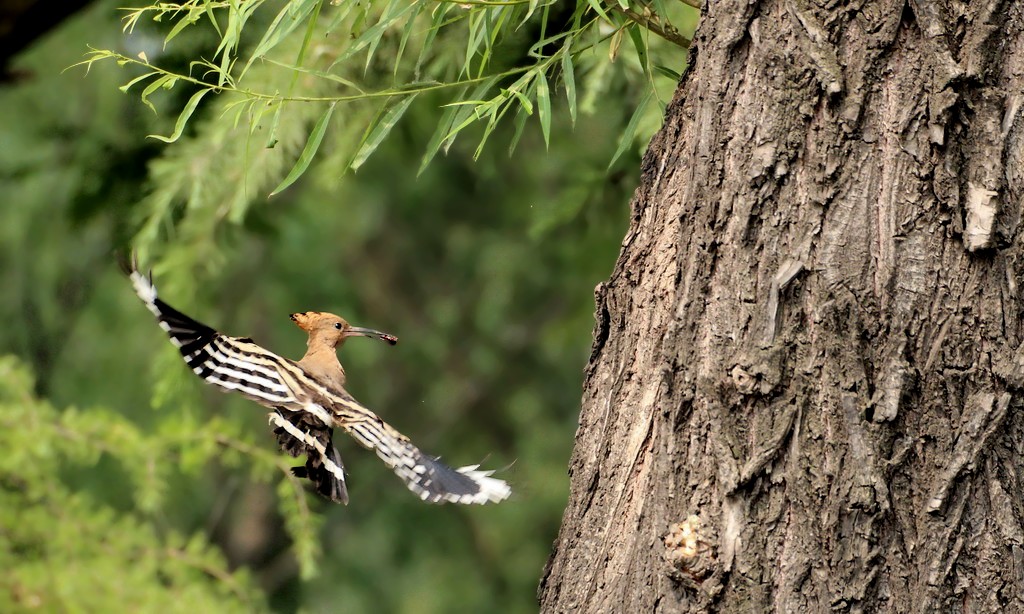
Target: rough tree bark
x=805 y=388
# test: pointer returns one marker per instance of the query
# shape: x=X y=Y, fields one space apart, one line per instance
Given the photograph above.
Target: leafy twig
x=652 y=22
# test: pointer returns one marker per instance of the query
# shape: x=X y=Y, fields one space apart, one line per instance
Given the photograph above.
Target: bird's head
x=333 y=330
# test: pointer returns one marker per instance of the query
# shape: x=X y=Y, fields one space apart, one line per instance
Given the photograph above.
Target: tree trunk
x=804 y=392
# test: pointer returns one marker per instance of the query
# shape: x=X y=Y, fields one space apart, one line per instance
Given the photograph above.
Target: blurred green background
x=126 y=485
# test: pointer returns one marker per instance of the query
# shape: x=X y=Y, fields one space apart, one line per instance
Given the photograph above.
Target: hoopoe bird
x=308 y=401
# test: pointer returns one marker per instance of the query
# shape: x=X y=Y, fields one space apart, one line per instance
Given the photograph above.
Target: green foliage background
x=128 y=486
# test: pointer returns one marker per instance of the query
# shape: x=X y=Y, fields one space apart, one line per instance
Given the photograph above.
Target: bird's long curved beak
x=357 y=331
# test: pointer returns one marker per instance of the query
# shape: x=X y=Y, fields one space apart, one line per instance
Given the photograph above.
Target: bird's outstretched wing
x=230 y=363
x=431 y=480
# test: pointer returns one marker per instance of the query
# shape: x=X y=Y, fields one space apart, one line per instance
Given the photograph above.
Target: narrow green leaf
x=378 y=133
x=372 y=47
x=569 y=79
x=183 y=23
x=544 y=106
x=438 y=137
x=410 y=22
x=526 y=81
x=130 y=22
x=523 y=101
x=228 y=42
x=668 y=72
x=224 y=68
x=624 y=4
x=471 y=114
x=213 y=18
x=537 y=48
x=529 y=13
x=491 y=124
x=496 y=17
x=274 y=121
x=477 y=32
x=124 y=88
x=627 y=135
x=436 y=24
x=307 y=37
x=183 y=118
x=371 y=35
x=544 y=15
x=154 y=86
x=241 y=107
x=596 y=5
x=359 y=23
x=286 y=21
x=463 y=103
x=339 y=13
x=520 y=124
x=466 y=115
x=312 y=145
x=641 y=48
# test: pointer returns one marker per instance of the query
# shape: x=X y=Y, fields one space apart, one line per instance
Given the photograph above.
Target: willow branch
x=651 y=23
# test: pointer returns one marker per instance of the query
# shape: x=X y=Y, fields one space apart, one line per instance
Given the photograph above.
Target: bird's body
x=308 y=400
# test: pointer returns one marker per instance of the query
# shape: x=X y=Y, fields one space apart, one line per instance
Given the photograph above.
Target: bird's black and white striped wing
x=238 y=364
x=431 y=480
x=230 y=363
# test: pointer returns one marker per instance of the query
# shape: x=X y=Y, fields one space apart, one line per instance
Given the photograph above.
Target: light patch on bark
x=787 y=272
x=690 y=555
x=892 y=380
x=733 y=519
x=982 y=207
